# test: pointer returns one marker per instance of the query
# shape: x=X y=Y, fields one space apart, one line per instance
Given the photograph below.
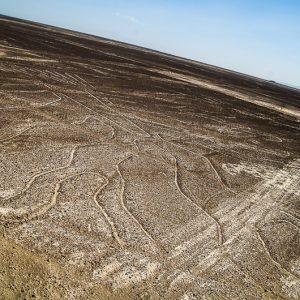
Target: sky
x=256 y=37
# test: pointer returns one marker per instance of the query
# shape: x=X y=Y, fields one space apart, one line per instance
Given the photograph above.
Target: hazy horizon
x=259 y=38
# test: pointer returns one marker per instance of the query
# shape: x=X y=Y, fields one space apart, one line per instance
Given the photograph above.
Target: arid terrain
x=127 y=173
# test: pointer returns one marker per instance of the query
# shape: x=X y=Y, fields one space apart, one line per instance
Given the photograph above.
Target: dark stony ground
x=125 y=172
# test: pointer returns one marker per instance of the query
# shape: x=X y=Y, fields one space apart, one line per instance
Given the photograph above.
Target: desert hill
x=129 y=173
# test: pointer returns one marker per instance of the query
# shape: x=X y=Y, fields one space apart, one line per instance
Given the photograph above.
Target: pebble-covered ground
x=126 y=172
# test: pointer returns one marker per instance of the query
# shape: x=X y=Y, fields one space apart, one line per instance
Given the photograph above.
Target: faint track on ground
x=17 y=135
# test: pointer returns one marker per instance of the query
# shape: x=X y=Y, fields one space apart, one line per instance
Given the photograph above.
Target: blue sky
x=257 y=37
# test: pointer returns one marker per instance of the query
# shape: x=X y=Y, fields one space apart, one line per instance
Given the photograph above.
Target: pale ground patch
x=100 y=274
x=229 y=92
x=8 y=210
x=133 y=275
x=291 y=287
x=33 y=59
x=256 y=170
x=296 y=267
x=188 y=296
x=6 y=193
x=284 y=179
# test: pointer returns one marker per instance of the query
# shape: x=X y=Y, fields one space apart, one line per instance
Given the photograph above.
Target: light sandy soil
x=261 y=101
x=126 y=173
x=28 y=275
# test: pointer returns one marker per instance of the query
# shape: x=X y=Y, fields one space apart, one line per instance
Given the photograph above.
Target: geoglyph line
x=277 y=264
x=93 y=117
x=33 y=213
x=15 y=136
x=36 y=212
x=119 y=113
x=102 y=116
x=123 y=202
x=34 y=177
x=109 y=221
x=291 y=216
x=205 y=158
x=219 y=228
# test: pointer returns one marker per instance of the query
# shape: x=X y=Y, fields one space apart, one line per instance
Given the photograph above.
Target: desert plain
x=127 y=173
